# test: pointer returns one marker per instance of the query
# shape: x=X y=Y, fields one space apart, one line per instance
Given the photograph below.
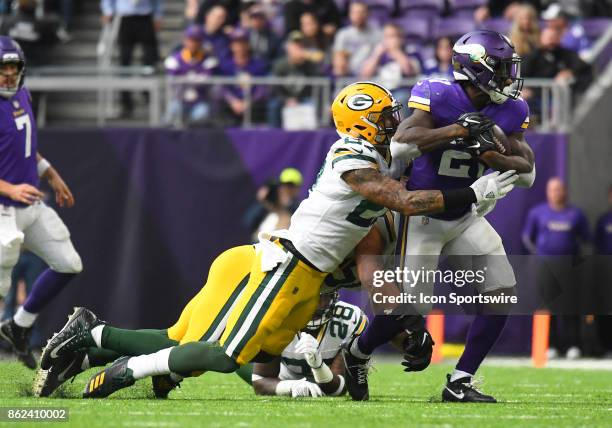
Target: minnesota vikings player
x=24 y=218
x=447 y=137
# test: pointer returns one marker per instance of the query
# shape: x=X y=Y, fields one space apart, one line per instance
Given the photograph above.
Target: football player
x=353 y=188
x=312 y=364
x=449 y=136
x=24 y=218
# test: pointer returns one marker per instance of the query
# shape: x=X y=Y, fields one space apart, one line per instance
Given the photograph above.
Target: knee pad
x=70 y=262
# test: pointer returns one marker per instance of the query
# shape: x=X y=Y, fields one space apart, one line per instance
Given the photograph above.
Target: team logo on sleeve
x=360 y=102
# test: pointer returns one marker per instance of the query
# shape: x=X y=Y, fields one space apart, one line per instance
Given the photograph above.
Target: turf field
x=530 y=397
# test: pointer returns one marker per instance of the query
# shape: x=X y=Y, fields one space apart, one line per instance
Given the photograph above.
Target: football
x=501 y=141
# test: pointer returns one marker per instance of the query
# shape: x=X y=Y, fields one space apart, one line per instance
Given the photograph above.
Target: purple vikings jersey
x=18 y=143
x=447 y=168
x=603 y=234
x=556 y=233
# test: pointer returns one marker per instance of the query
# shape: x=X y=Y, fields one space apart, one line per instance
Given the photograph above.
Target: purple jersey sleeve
x=515 y=117
x=420 y=97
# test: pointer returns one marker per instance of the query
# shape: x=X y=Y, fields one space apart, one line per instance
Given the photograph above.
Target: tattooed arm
x=389 y=193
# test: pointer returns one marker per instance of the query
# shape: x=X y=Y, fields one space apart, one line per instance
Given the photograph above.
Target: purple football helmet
x=11 y=53
x=488 y=60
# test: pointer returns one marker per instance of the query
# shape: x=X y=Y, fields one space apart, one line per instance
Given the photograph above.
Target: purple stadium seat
x=497 y=24
x=416 y=30
x=452 y=27
x=380 y=15
x=420 y=8
x=595 y=27
x=387 y=4
x=456 y=5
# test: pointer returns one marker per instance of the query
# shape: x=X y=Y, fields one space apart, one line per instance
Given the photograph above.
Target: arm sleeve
x=353 y=155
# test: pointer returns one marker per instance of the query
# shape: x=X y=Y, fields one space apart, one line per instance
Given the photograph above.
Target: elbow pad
x=526 y=179
x=405 y=151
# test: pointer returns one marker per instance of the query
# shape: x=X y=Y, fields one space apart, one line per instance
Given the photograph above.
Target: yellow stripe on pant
x=274 y=306
x=205 y=315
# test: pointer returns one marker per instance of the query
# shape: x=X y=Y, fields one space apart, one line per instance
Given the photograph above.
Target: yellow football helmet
x=366 y=110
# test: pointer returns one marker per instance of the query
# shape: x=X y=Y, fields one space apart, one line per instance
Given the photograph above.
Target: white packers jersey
x=347 y=322
x=345 y=276
x=334 y=218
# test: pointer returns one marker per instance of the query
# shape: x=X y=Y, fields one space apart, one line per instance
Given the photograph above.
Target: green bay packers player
x=353 y=188
x=312 y=364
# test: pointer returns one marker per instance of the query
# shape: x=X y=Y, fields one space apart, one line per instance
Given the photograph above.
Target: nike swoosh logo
x=360 y=151
x=60 y=346
x=457 y=396
x=61 y=377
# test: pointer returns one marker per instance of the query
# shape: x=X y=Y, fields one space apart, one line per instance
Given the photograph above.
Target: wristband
x=42 y=166
x=458 y=198
x=322 y=374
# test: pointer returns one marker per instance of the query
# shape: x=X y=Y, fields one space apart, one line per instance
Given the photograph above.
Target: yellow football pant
x=204 y=317
x=273 y=307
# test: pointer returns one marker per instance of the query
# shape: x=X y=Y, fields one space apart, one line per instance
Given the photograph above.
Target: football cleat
x=75 y=335
x=19 y=339
x=464 y=390
x=110 y=380
x=64 y=368
x=163 y=385
x=356 y=372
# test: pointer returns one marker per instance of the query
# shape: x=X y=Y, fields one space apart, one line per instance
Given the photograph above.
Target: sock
x=24 y=318
x=150 y=365
x=45 y=288
x=458 y=374
x=134 y=342
x=246 y=373
x=483 y=333
x=176 y=377
x=100 y=357
x=200 y=356
x=96 y=333
x=380 y=330
x=355 y=350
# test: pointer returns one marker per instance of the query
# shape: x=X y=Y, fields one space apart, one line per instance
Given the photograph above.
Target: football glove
x=418 y=348
x=476 y=123
x=303 y=388
x=494 y=186
x=483 y=208
x=309 y=347
x=478 y=145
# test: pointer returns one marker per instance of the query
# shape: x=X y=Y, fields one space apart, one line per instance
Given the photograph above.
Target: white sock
x=24 y=318
x=356 y=352
x=176 y=377
x=96 y=333
x=85 y=363
x=458 y=374
x=150 y=365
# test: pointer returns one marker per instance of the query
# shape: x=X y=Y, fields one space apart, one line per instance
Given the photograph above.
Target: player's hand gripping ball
x=418 y=348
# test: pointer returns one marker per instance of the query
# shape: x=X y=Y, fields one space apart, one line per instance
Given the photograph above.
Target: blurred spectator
x=34 y=35
x=573 y=36
x=555 y=229
x=389 y=63
x=190 y=101
x=325 y=10
x=603 y=230
x=296 y=63
x=340 y=65
x=62 y=8
x=502 y=9
x=242 y=65
x=316 y=42
x=442 y=65
x=28 y=268
x=214 y=32
x=276 y=201
x=264 y=43
x=191 y=11
x=360 y=37
x=232 y=9
x=140 y=22
x=525 y=32
x=551 y=60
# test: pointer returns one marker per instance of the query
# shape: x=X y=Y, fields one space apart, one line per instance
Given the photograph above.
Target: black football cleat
x=19 y=339
x=74 y=336
x=163 y=385
x=110 y=380
x=356 y=372
x=463 y=390
x=64 y=368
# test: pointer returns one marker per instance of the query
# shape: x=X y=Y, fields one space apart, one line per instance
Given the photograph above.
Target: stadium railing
x=552 y=106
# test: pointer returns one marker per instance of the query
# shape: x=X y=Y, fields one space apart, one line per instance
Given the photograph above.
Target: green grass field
x=545 y=397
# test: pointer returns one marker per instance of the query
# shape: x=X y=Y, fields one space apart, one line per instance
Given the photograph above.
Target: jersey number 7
x=24 y=122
